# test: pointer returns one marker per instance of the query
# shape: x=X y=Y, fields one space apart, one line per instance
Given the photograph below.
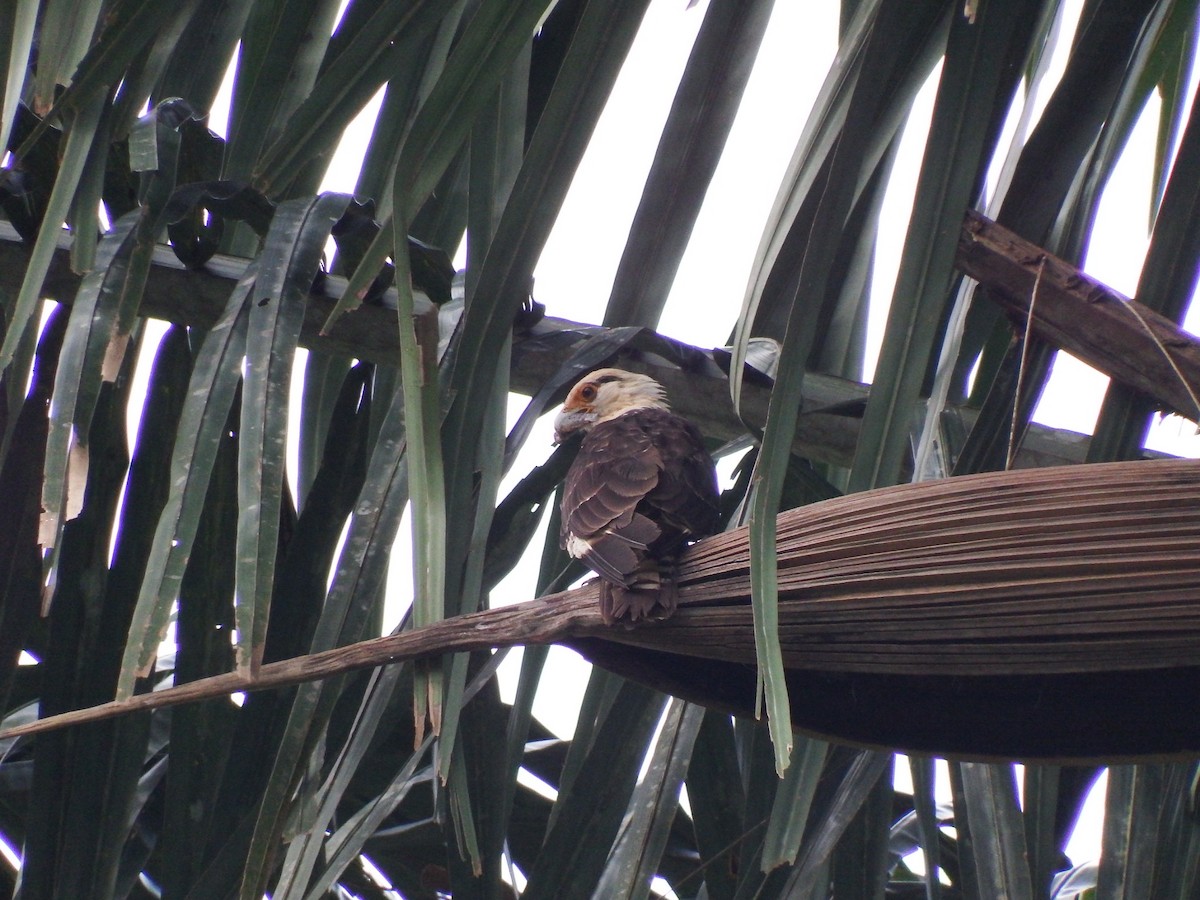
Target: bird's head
x=603 y=395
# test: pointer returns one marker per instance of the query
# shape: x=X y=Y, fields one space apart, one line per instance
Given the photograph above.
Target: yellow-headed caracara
x=641 y=487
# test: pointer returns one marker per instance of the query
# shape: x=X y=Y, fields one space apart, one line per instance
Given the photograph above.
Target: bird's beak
x=567 y=422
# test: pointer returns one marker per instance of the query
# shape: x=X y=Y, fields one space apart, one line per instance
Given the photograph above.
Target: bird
x=640 y=489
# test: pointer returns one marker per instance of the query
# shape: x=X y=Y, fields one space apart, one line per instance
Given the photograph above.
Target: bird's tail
x=649 y=594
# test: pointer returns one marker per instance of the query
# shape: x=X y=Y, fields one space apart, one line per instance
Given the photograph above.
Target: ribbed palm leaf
x=338 y=787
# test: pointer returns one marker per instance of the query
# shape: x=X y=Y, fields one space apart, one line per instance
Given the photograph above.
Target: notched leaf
x=196 y=212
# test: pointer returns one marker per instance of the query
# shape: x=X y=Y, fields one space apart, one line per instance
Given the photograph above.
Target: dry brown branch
x=1049 y=574
x=1120 y=337
x=175 y=294
x=541 y=621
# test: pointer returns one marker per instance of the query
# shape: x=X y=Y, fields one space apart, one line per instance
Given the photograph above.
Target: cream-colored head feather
x=603 y=395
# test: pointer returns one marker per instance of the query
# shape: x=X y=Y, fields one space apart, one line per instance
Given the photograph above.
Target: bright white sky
x=575 y=273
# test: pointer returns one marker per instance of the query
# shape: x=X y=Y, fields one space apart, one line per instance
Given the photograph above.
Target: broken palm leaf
x=288 y=264
x=106 y=305
x=426 y=478
x=77 y=381
x=793 y=800
x=216 y=377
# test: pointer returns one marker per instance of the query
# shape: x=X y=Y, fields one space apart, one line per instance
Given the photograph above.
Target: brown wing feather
x=640 y=488
x=615 y=469
x=685 y=498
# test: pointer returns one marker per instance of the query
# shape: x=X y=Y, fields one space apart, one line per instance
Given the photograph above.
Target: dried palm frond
x=1039 y=613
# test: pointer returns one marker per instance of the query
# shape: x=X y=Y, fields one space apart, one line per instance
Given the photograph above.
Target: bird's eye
x=587 y=392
